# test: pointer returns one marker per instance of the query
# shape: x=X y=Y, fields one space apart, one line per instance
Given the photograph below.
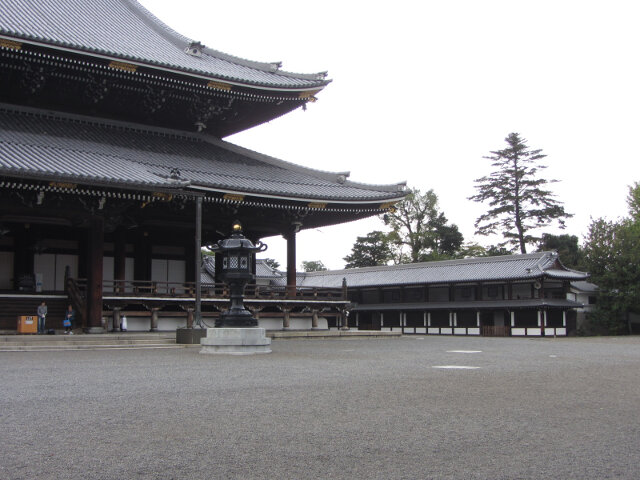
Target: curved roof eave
x=124 y=30
x=396 y=190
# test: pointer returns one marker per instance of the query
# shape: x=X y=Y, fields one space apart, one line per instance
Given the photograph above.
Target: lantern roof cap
x=237 y=241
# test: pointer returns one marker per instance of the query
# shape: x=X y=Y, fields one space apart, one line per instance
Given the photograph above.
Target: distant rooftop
x=500 y=268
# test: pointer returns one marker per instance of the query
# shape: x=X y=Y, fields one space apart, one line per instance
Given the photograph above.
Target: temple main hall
x=114 y=171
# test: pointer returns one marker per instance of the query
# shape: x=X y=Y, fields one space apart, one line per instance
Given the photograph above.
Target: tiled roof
x=474 y=305
x=265 y=271
x=76 y=149
x=586 y=287
x=123 y=29
x=508 y=267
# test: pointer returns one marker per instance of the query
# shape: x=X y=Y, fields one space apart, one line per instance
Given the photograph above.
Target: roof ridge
x=182 y=42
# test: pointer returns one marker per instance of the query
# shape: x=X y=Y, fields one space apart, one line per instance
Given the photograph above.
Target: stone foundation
x=235 y=341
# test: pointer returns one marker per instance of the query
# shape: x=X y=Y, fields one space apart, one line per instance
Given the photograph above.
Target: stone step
x=82 y=341
x=87 y=341
x=92 y=337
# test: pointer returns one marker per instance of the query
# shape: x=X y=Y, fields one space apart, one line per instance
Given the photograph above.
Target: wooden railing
x=76 y=292
x=147 y=288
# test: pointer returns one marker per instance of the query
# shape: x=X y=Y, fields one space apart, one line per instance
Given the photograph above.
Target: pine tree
x=518 y=199
x=370 y=251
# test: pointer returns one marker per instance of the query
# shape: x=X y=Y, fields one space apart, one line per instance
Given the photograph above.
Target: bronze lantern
x=237 y=260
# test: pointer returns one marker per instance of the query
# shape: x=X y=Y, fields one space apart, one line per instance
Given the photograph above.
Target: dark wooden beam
x=95 y=255
x=291 y=264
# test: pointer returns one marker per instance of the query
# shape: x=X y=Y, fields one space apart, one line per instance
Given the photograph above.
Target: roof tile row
x=486 y=269
x=67 y=149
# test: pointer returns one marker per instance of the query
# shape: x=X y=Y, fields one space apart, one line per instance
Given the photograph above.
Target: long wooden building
x=113 y=167
x=511 y=295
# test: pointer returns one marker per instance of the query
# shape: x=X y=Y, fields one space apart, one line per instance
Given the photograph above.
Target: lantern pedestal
x=235 y=341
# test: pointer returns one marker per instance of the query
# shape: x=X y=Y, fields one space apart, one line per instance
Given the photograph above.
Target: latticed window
x=233 y=262
x=244 y=263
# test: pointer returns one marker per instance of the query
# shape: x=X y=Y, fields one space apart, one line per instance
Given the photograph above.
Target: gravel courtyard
x=314 y=409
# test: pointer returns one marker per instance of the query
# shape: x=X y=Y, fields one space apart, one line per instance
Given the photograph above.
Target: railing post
x=154 y=319
x=116 y=319
x=286 y=318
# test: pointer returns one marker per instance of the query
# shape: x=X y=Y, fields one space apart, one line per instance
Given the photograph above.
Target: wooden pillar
x=291 y=264
x=119 y=261
x=198 y=262
x=154 y=319
x=190 y=317
x=189 y=260
x=142 y=254
x=95 y=256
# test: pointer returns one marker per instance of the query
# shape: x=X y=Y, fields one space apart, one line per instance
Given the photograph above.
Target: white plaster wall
x=143 y=324
x=45 y=264
x=52 y=267
x=167 y=271
x=62 y=261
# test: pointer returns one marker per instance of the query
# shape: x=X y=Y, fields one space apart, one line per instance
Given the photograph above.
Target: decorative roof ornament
x=194 y=49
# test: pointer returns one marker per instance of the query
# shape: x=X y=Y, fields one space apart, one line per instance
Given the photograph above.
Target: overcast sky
x=422 y=90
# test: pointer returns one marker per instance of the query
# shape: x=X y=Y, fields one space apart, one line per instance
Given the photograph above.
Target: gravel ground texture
x=327 y=409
